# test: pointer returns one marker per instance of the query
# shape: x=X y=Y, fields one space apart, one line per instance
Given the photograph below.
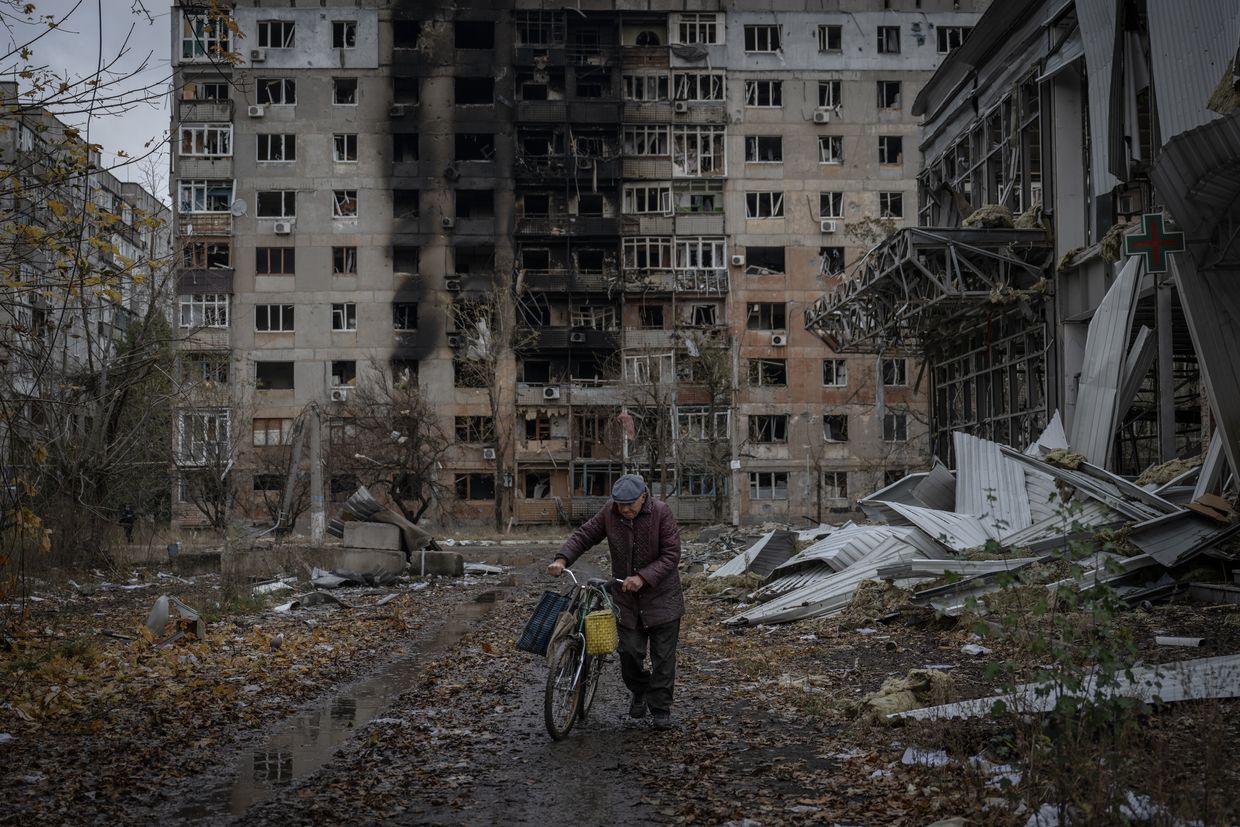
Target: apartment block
x=660 y=194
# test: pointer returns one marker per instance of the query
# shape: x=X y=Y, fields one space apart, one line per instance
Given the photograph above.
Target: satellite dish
x=238 y=208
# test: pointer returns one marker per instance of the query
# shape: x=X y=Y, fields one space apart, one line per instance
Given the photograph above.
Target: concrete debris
x=1190 y=642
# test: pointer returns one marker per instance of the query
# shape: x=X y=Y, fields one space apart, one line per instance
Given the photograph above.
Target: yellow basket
x=601 y=635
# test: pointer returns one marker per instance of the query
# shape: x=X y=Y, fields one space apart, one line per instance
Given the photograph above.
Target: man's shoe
x=637 y=709
x=662 y=721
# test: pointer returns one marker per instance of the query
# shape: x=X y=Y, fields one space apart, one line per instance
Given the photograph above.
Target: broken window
x=344 y=203
x=477 y=487
x=212 y=140
x=404 y=148
x=273 y=318
x=762 y=38
x=535 y=371
x=830 y=149
x=536 y=485
x=763 y=261
x=276 y=261
x=895 y=427
x=647 y=253
x=650 y=316
x=344 y=316
x=344 y=147
x=405 y=316
x=206 y=195
x=406 y=91
x=276 y=34
x=204 y=310
x=835 y=427
x=474 y=259
x=700 y=29
x=645 y=87
x=474 y=429
x=405 y=258
x=539 y=28
x=593 y=88
x=475 y=203
x=591 y=204
x=344 y=91
x=473 y=34
x=405 y=203
x=276 y=91
x=766 y=316
x=891 y=204
x=594 y=317
x=700 y=484
x=204 y=36
x=832 y=260
x=277 y=147
x=475 y=146
x=835 y=485
x=834 y=373
x=889 y=94
x=699 y=253
x=203 y=91
x=764 y=149
x=889 y=40
x=276 y=204
x=699 y=86
x=645 y=140
x=950 y=37
x=201 y=254
x=701 y=424
x=704 y=315
x=406 y=34
x=772 y=373
x=344 y=261
x=698 y=150
x=404 y=371
x=344 y=373
x=273 y=376
x=475 y=91
x=650 y=368
x=830 y=38
x=590 y=146
x=647 y=198
x=895 y=372
x=768 y=485
x=764 y=205
x=344 y=34
x=830 y=205
x=467 y=374
x=768 y=428
x=890 y=149
x=268 y=431
x=830 y=94
x=764 y=93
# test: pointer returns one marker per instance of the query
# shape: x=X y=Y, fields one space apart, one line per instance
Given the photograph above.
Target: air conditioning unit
x=256 y=111
x=822 y=116
x=779 y=339
x=488 y=453
x=452 y=284
x=454 y=341
x=738 y=261
x=283 y=227
x=397 y=110
x=448 y=222
x=551 y=392
x=828 y=225
x=340 y=394
x=680 y=107
x=577 y=337
x=258 y=55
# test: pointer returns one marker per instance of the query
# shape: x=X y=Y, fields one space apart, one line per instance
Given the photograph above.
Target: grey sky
x=135 y=38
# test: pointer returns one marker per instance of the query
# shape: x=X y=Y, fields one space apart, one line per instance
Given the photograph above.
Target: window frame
x=344 y=204
x=694 y=29
x=637 y=197
x=202 y=136
x=831 y=150
x=895 y=427
x=758 y=368
x=776 y=482
x=288 y=204
x=838 y=373
x=897 y=369
x=210 y=190
x=336 y=89
x=754 y=142
x=835 y=436
x=344 y=254
x=755 y=45
x=768 y=429
x=401 y=312
x=206 y=305
x=274 y=318
x=264 y=29
x=699 y=87
x=889 y=40
x=340 y=141
x=888 y=199
x=762 y=205
x=287 y=147
x=275 y=261
x=754 y=93
x=825 y=30
x=344 y=317
x=344 y=34
x=264 y=87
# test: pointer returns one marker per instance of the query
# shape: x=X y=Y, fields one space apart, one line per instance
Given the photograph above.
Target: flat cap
x=628 y=488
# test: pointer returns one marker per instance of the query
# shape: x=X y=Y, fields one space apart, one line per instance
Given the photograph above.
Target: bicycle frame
x=581 y=607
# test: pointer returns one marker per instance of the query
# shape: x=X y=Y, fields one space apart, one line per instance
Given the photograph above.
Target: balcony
x=652 y=167
x=540 y=395
x=595 y=111
x=204 y=167
x=651 y=339
x=702 y=281
x=542 y=167
x=646 y=56
x=566 y=280
x=562 y=338
x=581 y=55
x=205 y=111
x=205 y=223
x=581 y=392
x=702 y=223
x=547 y=450
x=406 y=169
x=648 y=225
x=475 y=226
x=653 y=112
x=551 y=55
x=550 y=111
x=215 y=280
x=702 y=112
x=537 y=511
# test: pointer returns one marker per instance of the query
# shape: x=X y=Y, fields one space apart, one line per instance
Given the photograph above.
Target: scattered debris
x=919 y=688
x=1165 y=640
x=167 y=627
x=277 y=585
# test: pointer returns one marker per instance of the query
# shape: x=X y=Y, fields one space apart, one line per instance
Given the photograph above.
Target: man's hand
x=556 y=568
x=632 y=584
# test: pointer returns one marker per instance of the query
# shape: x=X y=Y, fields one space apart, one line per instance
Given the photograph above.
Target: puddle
x=304 y=742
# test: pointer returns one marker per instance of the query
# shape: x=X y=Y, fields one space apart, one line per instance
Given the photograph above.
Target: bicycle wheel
x=563 y=688
x=589 y=685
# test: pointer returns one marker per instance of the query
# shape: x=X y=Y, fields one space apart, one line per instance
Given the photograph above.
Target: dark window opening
x=648 y=38
x=273 y=375
x=475 y=91
x=405 y=316
x=344 y=91
x=591 y=88
x=767 y=316
x=404 y=371
x=768 y=372
x=650 y=316
x=404 y=148
x=344 y=261
x=768 y=428
x=405 y=203
x=475 y=146
x=536 y=484
x=835 y=428
x=541 y=143
x=474 y=34
x=832 y=260
x=275 y=261
x=535 y=204
x=406 y=91
x=704 y=315
x=590 y=204
x=592 y=261
x=536 y=259
x=476 y=260
x=344 y=373
x=474 y=429
x=475 y=203
x=535 y=371
x=405 y=33
x=405 y=259
x=760 y=261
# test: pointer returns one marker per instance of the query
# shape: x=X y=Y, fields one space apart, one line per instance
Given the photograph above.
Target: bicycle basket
x=538 y=630
x=601 y=635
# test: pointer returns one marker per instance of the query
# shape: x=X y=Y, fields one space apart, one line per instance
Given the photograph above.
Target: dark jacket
x=648 y=546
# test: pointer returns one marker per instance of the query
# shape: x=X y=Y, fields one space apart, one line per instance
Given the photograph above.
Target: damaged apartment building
x=661 y=190
x=1077 y=218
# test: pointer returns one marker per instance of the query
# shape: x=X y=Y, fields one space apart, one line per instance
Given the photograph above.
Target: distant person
x=128 y=518
x=644 y=542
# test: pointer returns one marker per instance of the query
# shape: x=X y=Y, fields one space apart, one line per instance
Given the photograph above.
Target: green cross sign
x=1154 y=242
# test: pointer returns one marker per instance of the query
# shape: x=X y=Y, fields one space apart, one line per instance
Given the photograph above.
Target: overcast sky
x=134 y=36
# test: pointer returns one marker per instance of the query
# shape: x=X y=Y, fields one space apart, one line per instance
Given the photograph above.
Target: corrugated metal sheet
x=1106 y=348
x=1174 y=538
x=1136 y=366
x=938 y=489
x=989 y=486
x=1097 y=489
x=1197 y=176
x=740 y=563
x=1051 y=438
x=958 y=532
x=1097 y=26
x=1070 y=50
x=1043 y=496
x=900 y=491
x=935 y=568
x=840 y=550
x=1065 y=520
x=1191 y=44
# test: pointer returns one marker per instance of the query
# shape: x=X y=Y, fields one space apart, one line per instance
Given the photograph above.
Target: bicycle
x=573 y=673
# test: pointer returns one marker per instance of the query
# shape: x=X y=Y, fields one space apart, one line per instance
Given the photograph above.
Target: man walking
x=644 y=542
